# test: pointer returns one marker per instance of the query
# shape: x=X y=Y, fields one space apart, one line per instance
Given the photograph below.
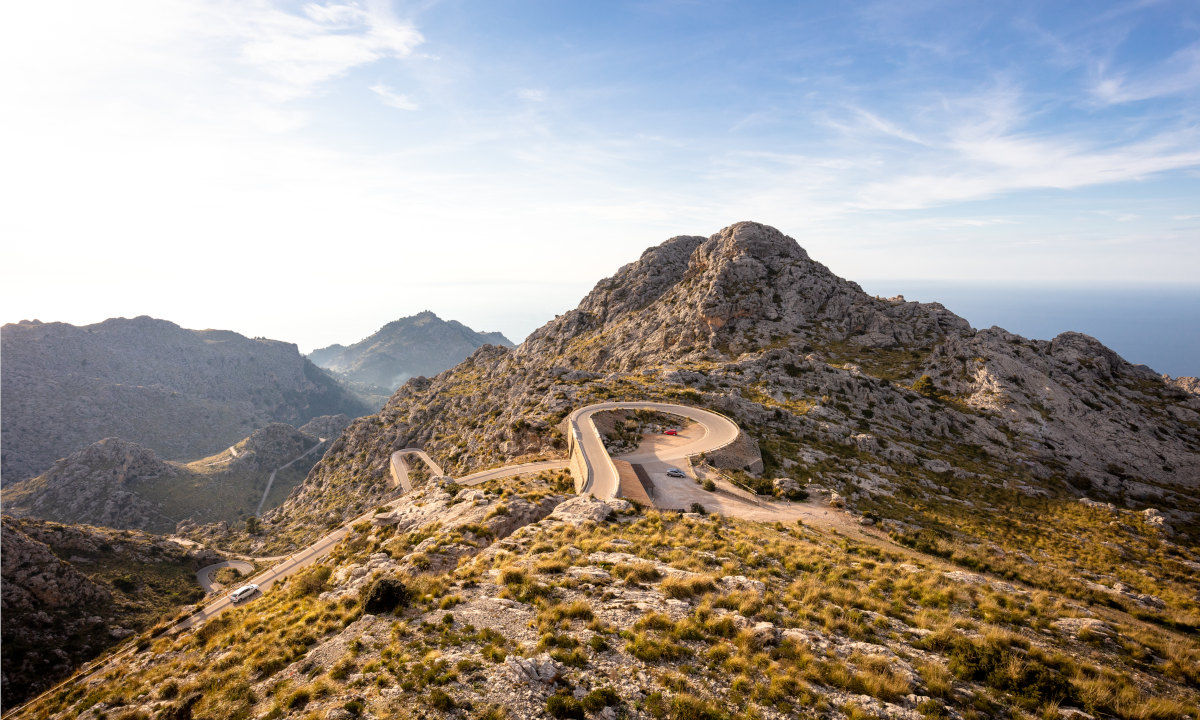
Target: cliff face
x=859 y=391
x=422 y=344
x=69 y=592
x=181 y=393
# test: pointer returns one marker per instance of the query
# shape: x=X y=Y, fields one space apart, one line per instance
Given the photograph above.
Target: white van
x=242 y=593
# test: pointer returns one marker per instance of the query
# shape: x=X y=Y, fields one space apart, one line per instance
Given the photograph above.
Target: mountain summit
x=422 y=344
x=740 y=290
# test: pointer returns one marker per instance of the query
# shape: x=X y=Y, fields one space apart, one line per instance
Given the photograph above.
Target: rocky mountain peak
x=743 y=288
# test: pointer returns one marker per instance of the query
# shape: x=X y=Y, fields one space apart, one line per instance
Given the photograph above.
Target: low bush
x=563 y=705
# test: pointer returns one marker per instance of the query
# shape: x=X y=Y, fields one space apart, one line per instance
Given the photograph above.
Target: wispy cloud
x=1178 y=74
x=532 y=95
x=391 y=98
x=294 y=53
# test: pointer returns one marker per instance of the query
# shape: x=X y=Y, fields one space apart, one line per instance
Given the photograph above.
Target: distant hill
x=422 y=344
x=181 y=393
x=121 y=484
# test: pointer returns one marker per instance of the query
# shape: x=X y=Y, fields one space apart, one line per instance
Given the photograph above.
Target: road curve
x=400 y=468
x=602 y=480
x=271 y=480
x=205 y=574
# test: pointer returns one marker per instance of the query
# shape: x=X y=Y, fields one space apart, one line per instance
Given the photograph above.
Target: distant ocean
x=1155 y=326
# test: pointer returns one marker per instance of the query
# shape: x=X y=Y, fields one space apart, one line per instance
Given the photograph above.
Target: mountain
x=71 y=591
x=120 y=484
x=421 y=344
x=996 y=527
x=181 y=393
x=746 y=323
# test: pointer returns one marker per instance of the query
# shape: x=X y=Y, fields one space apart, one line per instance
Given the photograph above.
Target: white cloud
x=391 y=98
x=1177 y=75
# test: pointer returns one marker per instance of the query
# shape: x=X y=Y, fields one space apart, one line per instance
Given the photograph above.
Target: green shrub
x=601 y=698
x=690 y=707
x=924 y=385
x=313 y=581
x=440 y=700
x=125 y=583
x=563 y=705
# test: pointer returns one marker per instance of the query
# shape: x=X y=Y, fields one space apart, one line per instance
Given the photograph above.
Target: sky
x=310 y=171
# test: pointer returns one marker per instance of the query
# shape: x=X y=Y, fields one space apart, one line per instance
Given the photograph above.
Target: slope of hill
x=120 y=484
x=422 y=344
x=181 y=393
x=506 y=601
x=69 y=592
x=1019 y=536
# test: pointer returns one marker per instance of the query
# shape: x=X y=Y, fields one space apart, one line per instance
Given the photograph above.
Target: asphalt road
x=271 y=480
x=718 y=431
x=205 y=574
x=400 y=467
x=511 y=471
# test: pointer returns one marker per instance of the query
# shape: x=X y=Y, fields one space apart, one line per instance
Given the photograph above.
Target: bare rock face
x=181 y=393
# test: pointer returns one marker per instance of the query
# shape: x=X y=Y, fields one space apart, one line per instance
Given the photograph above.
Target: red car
x=670 y=432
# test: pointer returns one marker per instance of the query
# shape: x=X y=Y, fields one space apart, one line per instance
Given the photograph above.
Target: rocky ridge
x=120 y=484
x=181 y=393
x=586 y=609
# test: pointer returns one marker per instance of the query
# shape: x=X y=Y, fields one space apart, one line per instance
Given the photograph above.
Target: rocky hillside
x=511 y=601
x=120 y=484
x=181 y=393
x=69 y=592
x=422 y=344
x=874 y=397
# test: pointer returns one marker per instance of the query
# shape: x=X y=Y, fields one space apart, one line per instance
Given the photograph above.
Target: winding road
x=400 y=467
x=205 y=574
x=601 y=480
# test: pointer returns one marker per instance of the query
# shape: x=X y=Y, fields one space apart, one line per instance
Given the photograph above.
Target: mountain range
x=181 y=393
x=422 y=344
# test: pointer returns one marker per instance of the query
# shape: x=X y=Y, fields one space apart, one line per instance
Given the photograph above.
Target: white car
x=675 y=473
x=242 y=593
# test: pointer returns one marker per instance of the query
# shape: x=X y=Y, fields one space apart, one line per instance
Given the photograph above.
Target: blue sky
x=309 y=171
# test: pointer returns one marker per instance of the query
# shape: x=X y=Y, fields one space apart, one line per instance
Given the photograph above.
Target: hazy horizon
x=1150 y=324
